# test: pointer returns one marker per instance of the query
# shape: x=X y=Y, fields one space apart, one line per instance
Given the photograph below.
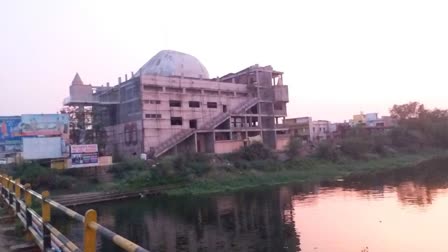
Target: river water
x=402 y=211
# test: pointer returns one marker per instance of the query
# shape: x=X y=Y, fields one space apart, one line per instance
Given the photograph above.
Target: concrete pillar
x=196 y=142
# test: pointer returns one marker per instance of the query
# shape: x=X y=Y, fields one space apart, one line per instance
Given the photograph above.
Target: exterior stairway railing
x=184 y=134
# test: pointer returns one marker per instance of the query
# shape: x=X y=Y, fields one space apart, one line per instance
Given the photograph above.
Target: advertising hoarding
x=9 y=128
x=10 y=140
x=45 y=125
x=43 y=147
x=84 y=155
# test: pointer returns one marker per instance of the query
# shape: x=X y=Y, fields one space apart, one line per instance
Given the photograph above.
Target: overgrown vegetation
x=292 y=150
x=41 y=176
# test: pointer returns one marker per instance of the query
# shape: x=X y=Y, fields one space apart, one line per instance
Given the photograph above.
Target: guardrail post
x=2 y=179
x=10 y=188
x=89 y=233
x=17 y=191
x=46 y=217
x=29 y=220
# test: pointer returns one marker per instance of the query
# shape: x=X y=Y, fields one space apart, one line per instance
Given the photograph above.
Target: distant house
x=307 y=129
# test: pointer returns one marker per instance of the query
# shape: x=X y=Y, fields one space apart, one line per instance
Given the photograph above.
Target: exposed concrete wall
x=158 y=91
x=125 y=138
x=130 y=107
x=269 y=138
x=281 y=93
x=228 y=146
x=81 y=93
x=205 y=142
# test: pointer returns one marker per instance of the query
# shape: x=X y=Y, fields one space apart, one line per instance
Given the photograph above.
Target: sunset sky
x=339 y=57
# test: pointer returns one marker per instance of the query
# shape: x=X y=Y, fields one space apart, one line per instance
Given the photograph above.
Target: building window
x=152 y=88
x=211 y=92
x=193 y=90
x=151 y=101
x=242 y=94
x=194 y=104
x=174 y=103
x=173 y=90
x=153 y=116
x=212 y=104
x=227 y=93
x=193 y=124
x=176 y=121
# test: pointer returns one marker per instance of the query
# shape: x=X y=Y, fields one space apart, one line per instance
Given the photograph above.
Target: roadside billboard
x=84 y=155
x=45 y=125
x=10 y=140
x=9 y=128
x=43 y=148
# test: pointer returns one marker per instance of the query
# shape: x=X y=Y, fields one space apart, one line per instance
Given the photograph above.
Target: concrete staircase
x=208 y=125
x=224 y=116
x=172 y=141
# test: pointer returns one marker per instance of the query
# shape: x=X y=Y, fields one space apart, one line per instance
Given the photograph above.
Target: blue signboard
x=10 y=129
x=10 y=134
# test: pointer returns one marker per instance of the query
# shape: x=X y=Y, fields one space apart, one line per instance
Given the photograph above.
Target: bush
x=355 y=147
x=121 y=169
x=439 y=133
x=292 y=150
x=256 y=151
x=327 y=151
x=42 y=177
x=401 y=137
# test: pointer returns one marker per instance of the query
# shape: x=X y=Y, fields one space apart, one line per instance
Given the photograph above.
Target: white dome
x=172 y=63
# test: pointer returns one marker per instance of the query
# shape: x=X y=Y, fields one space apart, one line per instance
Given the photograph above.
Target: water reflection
x=369 y=211
x=250 y=221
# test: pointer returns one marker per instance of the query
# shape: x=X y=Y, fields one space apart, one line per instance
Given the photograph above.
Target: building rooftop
x=173 y=63
x=77 y=80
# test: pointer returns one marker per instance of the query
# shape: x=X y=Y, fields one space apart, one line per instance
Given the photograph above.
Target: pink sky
x=339 y=57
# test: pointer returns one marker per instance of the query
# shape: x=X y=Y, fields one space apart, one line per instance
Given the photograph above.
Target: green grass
x=310 y=170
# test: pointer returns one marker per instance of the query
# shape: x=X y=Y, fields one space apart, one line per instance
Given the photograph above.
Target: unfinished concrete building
x=171 y=105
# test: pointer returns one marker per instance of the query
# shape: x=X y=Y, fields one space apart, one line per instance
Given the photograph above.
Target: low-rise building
x=307 y=129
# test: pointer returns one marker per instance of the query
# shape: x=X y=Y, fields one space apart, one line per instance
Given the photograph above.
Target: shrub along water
x=41 y=177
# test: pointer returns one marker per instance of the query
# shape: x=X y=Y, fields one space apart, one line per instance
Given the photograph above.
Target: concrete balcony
x=90 y=100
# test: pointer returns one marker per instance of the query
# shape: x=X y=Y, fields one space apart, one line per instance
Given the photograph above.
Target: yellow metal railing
x=19 y=197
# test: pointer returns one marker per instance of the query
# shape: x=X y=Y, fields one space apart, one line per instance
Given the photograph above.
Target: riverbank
x=204 y=174
x=304 y=170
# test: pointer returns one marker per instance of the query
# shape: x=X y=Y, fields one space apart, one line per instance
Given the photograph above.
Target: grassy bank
x=204 y=174
x=304 y=170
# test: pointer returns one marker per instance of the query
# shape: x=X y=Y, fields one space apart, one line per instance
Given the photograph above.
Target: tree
x=407 y=111
x=86 y=126
x=420 y=125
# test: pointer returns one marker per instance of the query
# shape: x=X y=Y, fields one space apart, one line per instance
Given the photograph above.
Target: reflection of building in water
x=233 y=224
x=410 y=193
